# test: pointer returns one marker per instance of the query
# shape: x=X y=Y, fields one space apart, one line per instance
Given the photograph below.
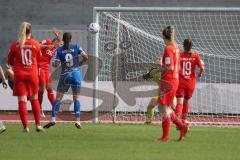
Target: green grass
x=118 y=142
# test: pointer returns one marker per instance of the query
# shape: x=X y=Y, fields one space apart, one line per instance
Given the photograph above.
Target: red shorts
x=25 y=85
x=184 y=92
x=166 y=99
x=44 y=77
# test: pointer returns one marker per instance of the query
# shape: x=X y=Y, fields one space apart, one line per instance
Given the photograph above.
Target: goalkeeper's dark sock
x=178 y=109
x=23 y=112
x=185 y=111
x=176 y=120
x=150 y=113
x=51 y=95
x=166 y=127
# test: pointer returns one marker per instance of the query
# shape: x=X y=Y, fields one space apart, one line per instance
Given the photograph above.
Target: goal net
x=129 y=42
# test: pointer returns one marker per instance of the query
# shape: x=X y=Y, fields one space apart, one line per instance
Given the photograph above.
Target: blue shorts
x=70 y=79
x=0 y=80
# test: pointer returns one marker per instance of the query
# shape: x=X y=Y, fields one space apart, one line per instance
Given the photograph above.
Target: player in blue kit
x=68 y=56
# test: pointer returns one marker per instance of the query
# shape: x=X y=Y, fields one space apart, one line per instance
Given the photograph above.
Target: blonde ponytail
x=24 y=31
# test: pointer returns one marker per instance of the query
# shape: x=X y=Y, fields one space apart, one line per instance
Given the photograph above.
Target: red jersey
x=25 y=60
x=188 y=63
x=171 y=59
x=47 y=54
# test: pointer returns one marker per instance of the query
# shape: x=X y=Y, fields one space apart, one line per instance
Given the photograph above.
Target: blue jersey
x=69 y=58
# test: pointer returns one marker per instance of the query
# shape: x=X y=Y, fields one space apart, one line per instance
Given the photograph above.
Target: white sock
x=1 y=123
x=78 y=119
x=53 y=119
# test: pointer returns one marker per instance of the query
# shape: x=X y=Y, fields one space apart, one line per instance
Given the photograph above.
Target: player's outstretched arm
x=201 y=66
x=4 y=81
x=57 y=32
x=201 y=71
x=9 y=73
x=159 y=60
x=84 y=56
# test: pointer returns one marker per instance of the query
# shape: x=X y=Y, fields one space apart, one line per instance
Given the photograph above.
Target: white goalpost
x=129 y=42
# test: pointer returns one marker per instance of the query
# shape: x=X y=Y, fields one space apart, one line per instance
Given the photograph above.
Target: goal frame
x=96 y=11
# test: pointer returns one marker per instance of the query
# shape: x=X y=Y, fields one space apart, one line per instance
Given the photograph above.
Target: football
x=93 y=28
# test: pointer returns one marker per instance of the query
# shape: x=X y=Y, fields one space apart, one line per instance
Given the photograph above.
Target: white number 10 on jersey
x=26 y=56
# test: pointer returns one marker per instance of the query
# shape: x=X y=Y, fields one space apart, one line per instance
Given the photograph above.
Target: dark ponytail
x=67 y=36
x=169 y=33
x=187 y=45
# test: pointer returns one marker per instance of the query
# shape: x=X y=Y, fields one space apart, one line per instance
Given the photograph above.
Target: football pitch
x=118 y=142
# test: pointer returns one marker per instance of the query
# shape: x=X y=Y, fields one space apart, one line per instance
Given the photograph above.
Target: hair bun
x=169 y=33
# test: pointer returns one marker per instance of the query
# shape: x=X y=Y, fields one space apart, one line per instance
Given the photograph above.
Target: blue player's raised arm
x=83 y=54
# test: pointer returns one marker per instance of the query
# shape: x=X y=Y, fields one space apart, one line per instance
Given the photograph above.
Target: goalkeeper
x=155 y=74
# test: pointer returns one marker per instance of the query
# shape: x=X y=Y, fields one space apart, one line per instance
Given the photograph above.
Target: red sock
x=23 y=112
x=51 y=96
x=178 y=109
x=40 y=97
x=36 y=111
x=176 y=120
x=166 y=127
x=185 y=111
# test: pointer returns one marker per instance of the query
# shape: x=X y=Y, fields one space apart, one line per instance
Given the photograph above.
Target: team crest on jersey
x=49 y=52
x=167 y=60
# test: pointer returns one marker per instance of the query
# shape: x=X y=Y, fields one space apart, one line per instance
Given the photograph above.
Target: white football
x=93 y=28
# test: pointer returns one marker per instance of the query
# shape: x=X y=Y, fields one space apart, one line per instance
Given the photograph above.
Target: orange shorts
x=25 y=85
x=44 y=77
x=168 y=89
x=184 y=93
